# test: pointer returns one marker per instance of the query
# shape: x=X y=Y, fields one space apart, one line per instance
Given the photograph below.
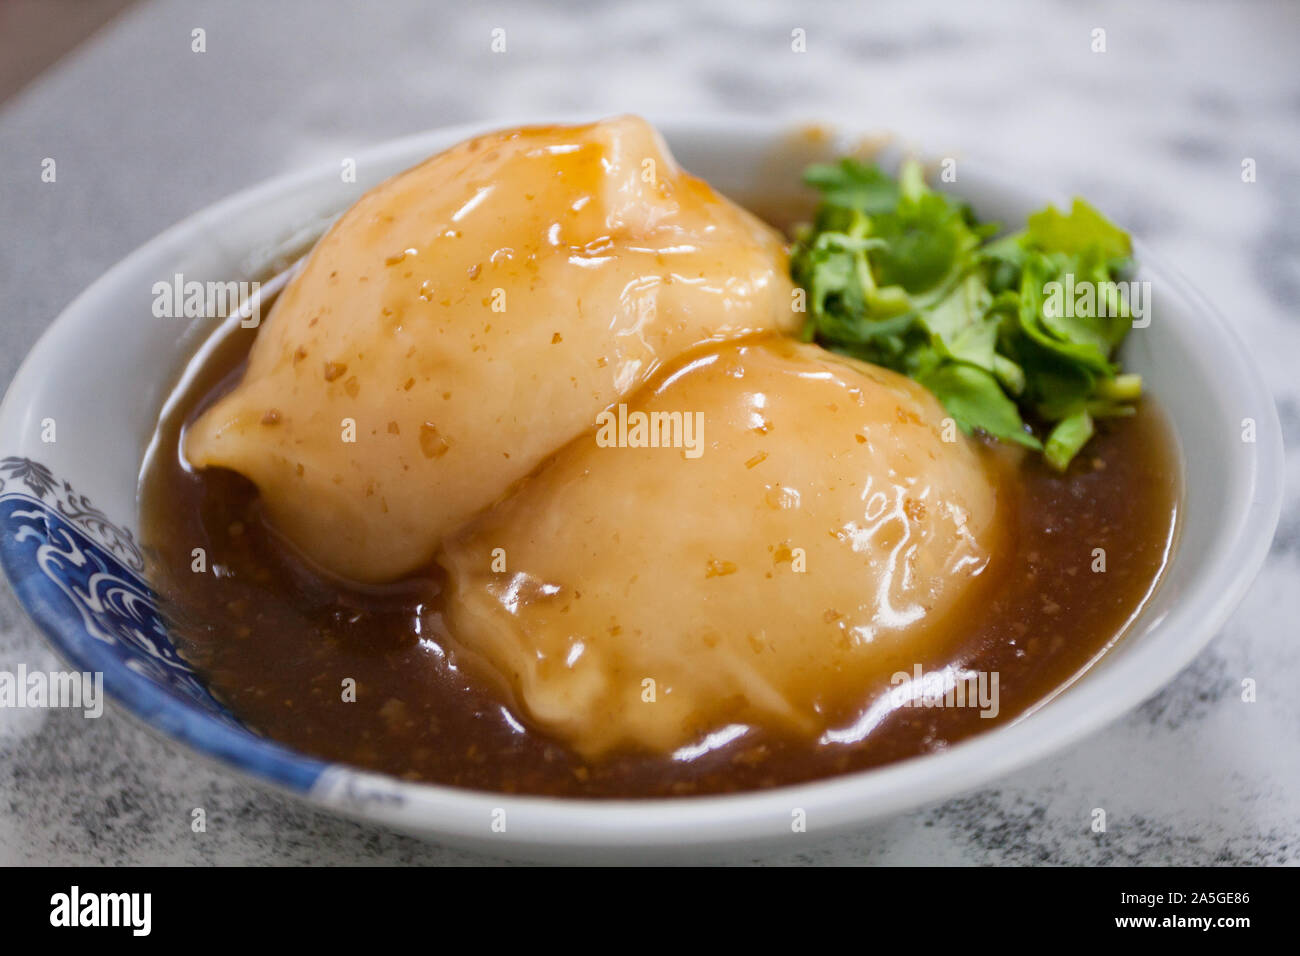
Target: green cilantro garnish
x=906 y=277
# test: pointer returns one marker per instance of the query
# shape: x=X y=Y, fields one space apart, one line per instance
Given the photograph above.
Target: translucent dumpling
x=760 y=537
x=467 y=318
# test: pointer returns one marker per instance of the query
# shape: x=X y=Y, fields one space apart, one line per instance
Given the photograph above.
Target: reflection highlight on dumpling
x=638 y=597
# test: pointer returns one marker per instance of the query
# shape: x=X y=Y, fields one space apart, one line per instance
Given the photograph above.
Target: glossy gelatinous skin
x=811 y=550
x=471 y=316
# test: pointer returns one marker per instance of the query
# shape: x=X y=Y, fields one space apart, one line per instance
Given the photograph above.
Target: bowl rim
x=831 y=804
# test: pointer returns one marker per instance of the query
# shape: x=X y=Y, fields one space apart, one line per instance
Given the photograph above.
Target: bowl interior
x=104 y=369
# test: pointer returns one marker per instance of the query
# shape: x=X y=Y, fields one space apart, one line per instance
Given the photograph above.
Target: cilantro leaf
x=1025 y=325
x=974 y=399
x=1082 y=230
x=854 y=185
x=925 y=239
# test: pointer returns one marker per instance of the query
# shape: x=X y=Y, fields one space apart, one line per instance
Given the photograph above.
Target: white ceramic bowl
x=103 y=369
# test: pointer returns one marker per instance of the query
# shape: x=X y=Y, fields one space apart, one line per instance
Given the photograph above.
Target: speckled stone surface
x=1154 y=129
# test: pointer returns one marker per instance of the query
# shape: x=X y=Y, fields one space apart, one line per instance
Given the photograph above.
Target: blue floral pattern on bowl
x=80 y=576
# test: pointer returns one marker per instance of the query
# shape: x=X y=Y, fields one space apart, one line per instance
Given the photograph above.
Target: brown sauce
x=276 y=640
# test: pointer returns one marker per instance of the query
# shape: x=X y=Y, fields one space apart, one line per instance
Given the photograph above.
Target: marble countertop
x=1155 y=129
